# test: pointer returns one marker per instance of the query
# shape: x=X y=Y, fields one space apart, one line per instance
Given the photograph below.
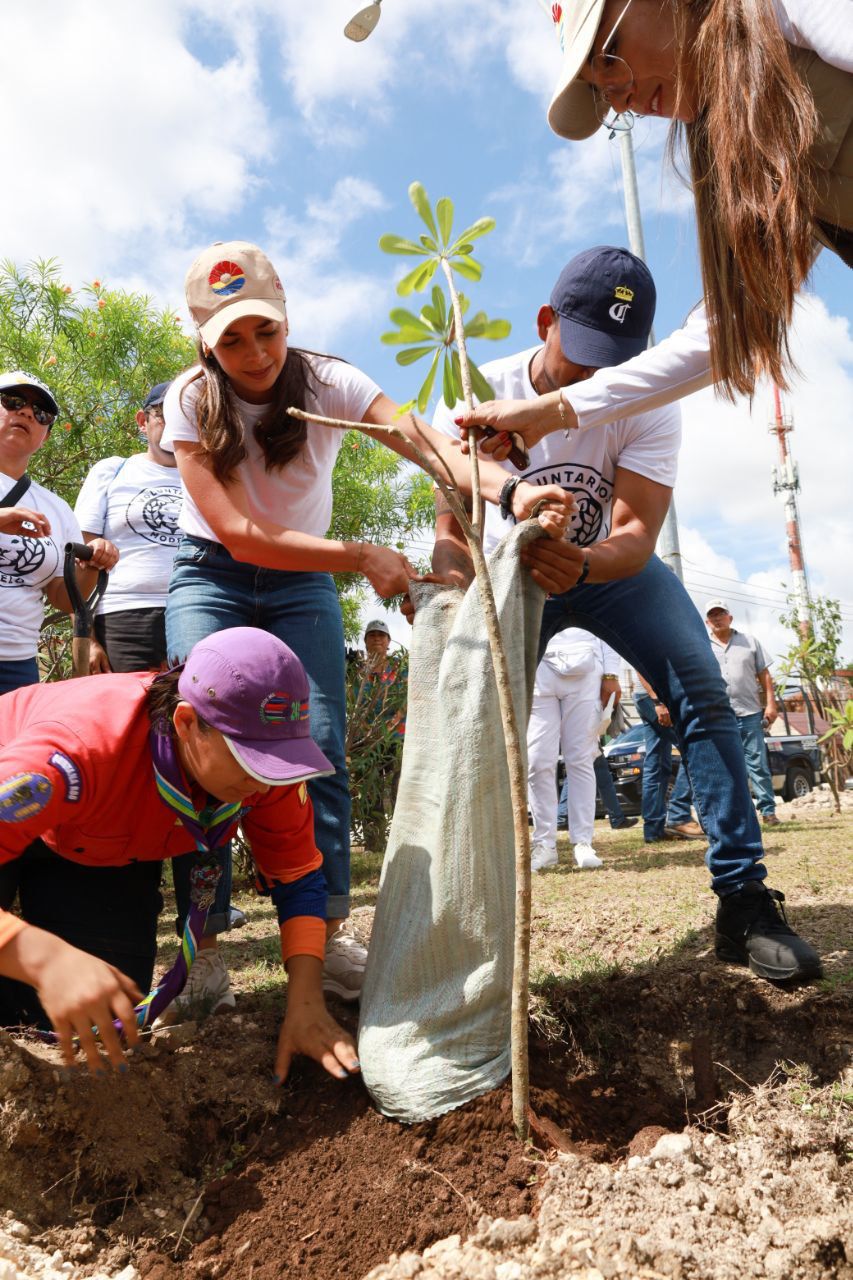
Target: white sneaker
x=208 y=990
x=343 y=970
x=542 y=856
x=586 y=857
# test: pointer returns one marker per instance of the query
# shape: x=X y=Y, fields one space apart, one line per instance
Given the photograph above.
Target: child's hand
x=309 y=1028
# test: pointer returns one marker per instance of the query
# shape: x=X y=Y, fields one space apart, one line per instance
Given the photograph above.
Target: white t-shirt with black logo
x=585 y=463
x=299 y=495
x=27 y=565
x=135 y=502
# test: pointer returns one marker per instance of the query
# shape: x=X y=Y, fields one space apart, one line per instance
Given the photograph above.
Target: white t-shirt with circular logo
x=135 y=502
x=299 y=495
x=585 y=463
x=27 y=565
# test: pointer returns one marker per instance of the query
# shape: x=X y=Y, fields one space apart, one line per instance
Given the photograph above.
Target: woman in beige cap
x=762 y=92
x=256 y=511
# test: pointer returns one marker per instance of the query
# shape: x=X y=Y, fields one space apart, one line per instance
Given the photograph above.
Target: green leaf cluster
x=432 y=331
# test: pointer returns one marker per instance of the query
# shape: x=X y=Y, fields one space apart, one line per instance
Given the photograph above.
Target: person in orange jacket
x=97 y=776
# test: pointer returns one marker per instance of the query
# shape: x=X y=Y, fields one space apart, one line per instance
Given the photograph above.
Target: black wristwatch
x=584 y=571
x=505 y=498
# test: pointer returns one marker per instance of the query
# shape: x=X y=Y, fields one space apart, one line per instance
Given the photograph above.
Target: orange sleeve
x=280 y=829
x=303 y=936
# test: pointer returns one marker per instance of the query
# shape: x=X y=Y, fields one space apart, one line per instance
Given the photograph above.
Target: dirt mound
x=774 y=1198
x=193 y=1164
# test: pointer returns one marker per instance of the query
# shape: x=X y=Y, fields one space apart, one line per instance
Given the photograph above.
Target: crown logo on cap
x=623 y=293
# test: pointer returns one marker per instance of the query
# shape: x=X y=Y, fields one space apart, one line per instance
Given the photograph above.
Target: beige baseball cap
x=716 y=603
x=230 y=280
x=572 y=111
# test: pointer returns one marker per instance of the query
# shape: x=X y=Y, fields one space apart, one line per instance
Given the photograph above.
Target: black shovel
x=84 y=610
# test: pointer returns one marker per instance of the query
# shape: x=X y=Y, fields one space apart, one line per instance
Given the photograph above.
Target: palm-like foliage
x=433 y=331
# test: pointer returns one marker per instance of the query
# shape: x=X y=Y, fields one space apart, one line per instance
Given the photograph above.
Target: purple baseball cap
x=247 y=684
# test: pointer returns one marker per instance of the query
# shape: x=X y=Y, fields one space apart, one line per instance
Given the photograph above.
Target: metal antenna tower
x=786 y=480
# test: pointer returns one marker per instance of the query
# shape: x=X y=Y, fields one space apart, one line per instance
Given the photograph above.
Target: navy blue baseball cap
x=156 y=395
x=605 y=299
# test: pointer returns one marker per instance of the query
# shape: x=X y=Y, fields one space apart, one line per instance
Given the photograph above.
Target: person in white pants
x=574 y=681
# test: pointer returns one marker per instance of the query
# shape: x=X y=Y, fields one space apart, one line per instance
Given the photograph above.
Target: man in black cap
x=136 y=503
x=605 y=576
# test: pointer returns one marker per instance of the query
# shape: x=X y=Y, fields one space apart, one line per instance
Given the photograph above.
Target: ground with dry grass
x=193 y=1165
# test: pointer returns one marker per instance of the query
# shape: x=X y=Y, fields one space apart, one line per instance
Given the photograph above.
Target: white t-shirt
x=135 y=502
x=27 y=565
x=299 y=495
x=585 y=464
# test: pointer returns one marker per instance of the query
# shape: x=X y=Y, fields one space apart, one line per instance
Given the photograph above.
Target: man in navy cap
x=605 y=577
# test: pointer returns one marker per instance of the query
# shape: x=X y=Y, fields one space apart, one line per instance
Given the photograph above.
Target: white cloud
x=326 y=298
x=724 y=486
x=130 y=137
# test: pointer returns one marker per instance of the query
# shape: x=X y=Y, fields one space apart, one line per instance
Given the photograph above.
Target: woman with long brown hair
x=761 y=94
x=257 y=507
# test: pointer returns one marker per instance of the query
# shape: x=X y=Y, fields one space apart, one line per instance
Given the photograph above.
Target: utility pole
x=668 y=546
x=786 y=480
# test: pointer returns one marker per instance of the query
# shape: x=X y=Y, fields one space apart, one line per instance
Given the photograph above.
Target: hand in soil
x=80 y=993
x=309 y=1028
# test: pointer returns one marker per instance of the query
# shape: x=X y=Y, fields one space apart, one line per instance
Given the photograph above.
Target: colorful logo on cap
x=623 y=293
x=281 y=708
x=226 y=278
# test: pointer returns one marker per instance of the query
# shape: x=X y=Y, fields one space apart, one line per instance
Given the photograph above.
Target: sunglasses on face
x=15 y=404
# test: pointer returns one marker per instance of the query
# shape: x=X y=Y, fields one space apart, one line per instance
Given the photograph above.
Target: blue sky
x=175 y=123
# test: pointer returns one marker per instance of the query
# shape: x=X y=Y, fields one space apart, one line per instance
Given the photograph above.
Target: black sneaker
x=621 y=824
x=752 y=929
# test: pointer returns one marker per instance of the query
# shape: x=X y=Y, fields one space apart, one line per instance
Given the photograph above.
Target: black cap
x=156 y=395
x=605 y=299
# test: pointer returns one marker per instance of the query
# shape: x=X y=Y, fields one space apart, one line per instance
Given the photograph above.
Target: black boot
x=752 y=929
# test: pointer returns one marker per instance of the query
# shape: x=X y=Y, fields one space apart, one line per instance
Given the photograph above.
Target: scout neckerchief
x=210 y=829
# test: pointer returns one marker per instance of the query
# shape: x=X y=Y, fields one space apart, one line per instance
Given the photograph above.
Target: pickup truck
x=796 y=764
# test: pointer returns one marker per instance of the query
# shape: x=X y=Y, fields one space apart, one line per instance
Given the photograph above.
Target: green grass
x=645 y=902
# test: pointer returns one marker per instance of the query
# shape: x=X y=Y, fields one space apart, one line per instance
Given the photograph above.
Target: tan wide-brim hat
x=572 y=111
x=230 y=280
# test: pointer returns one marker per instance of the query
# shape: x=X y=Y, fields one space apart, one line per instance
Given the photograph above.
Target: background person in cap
x=31 y=560
x=605 y=578
x=97 y=774
x=135 y=502
x=745 y=667
x=762 y=91
x=257 y=508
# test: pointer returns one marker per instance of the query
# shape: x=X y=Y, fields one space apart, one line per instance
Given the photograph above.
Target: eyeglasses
x=612 y=78
x=15 y=404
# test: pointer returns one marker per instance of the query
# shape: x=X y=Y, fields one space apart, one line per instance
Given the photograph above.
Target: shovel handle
x=83 y=608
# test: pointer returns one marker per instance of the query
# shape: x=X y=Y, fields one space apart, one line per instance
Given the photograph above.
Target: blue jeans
x=17 y=675
x=606 y=790
x=657 y=768
x=210 y=591
x=757 y=763
x=650 y=619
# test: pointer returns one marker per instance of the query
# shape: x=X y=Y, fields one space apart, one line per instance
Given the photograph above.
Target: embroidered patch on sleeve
x=23 y=795
x=70 y=773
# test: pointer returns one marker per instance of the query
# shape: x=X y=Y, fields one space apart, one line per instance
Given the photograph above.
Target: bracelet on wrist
x=506 y=495
x=610 y=675
x=584 y=571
